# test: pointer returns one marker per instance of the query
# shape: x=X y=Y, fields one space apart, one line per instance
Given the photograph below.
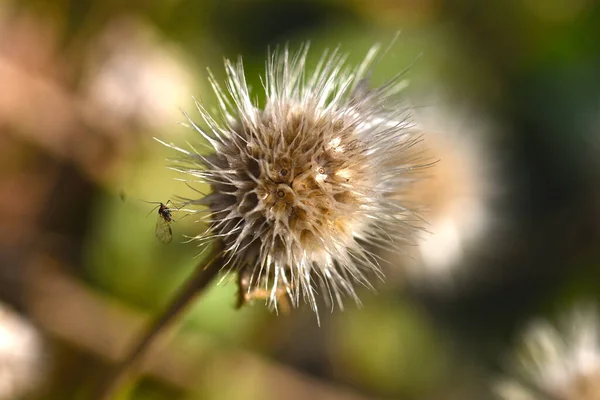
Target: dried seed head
x=23 y=357
x=133 y=77
x=303 y=187
x=461 y=194
x=558 y=362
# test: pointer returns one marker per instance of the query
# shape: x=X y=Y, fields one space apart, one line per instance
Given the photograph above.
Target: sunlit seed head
x=22 y=356
x=460 y=195
x=302 y=187
x=134 y=77
x=557 y=362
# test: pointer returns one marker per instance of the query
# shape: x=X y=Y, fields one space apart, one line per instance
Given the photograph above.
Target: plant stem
x=194 y=286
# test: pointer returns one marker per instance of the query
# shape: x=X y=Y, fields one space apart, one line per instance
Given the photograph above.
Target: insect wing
x=163 y=230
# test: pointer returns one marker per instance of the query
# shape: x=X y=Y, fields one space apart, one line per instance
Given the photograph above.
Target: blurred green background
x=85 y=85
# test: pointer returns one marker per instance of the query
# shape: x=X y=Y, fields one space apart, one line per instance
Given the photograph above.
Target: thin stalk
x=202 y=276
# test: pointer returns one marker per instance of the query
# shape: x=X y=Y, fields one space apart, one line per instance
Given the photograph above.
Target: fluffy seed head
x=22 y=356
x=304 y=187
x=461 y=196
x=558 y=362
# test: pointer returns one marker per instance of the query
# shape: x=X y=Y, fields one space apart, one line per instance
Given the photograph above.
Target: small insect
x=163 y=230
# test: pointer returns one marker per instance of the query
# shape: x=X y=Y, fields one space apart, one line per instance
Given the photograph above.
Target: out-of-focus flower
x=305 y=188
x=132 y=76
x=455 y=195
x=558 y=362
x=21 y=355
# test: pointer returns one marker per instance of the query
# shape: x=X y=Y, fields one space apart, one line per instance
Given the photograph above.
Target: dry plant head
x=558 y=362
x=23 y=356
x=459 y=195
x=132 y=77
x=304 y=190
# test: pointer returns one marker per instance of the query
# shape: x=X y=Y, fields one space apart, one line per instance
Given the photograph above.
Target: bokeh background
x=507 y=94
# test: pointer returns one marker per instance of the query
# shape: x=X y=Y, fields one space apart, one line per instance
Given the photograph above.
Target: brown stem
x=200 y=279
